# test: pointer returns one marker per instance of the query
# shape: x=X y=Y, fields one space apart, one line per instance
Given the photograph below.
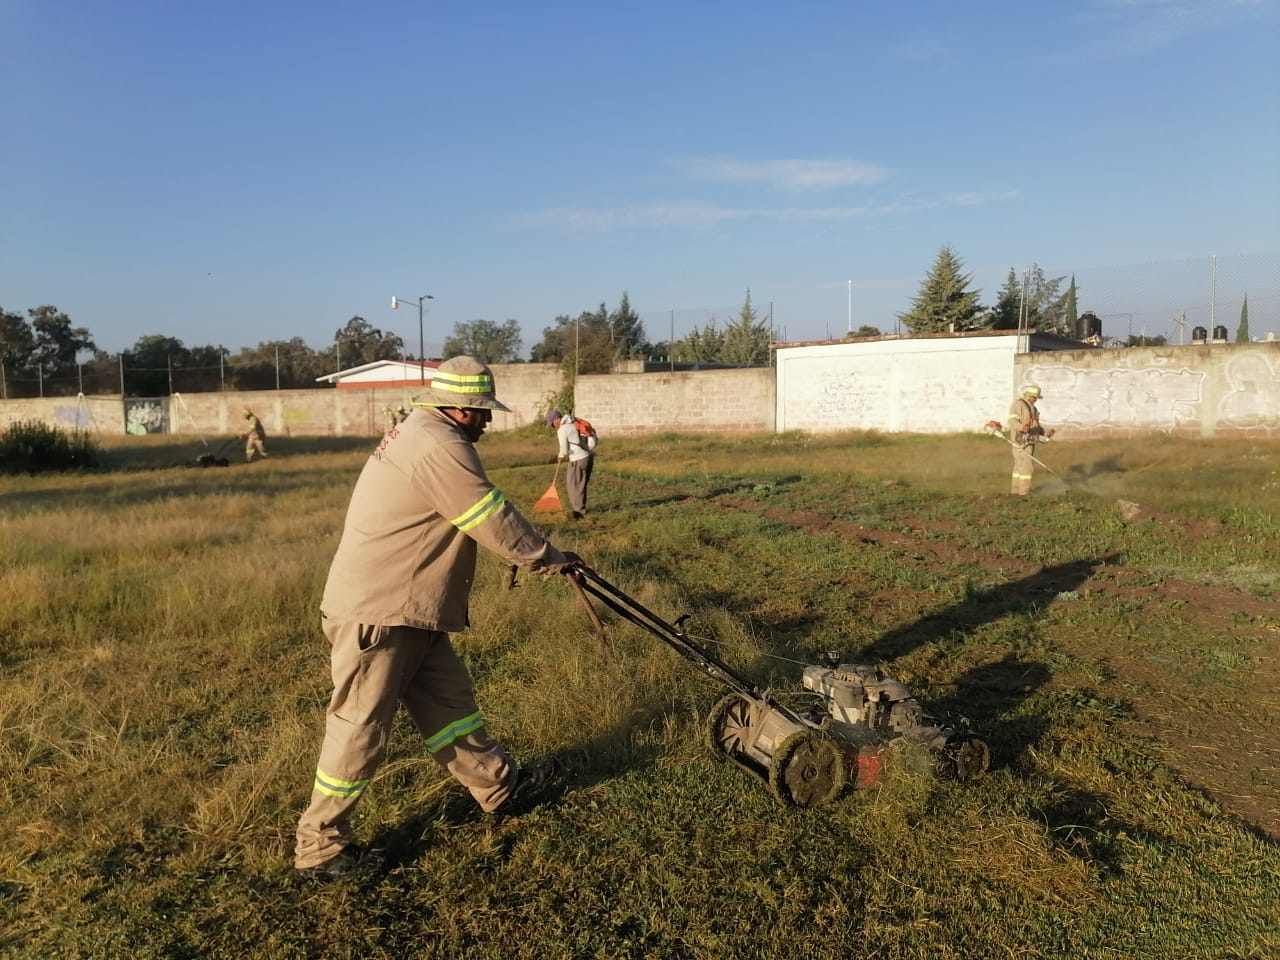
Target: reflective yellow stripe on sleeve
x=480 y=511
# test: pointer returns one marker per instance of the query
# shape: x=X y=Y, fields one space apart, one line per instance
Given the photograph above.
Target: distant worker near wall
x=576 y=440
x=255 y=438
x=1025 y=432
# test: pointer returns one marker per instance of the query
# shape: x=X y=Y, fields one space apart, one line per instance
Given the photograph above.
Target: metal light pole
x=422 y=356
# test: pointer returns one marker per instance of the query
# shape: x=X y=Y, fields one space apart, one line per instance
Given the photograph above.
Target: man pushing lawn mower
x=398 y=586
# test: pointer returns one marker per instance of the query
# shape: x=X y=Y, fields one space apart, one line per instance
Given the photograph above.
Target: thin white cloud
x=1141 y=26
x=700 y=215
x=795 y=176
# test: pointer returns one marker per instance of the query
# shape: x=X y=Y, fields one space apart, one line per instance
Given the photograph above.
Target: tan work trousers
x=1023 y=468
x=375 y=669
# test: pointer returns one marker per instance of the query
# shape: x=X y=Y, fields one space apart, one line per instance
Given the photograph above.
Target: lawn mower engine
x=860 y=722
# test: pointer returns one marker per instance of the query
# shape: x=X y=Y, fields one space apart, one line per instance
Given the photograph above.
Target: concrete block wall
x=1207 y=390
x=1201 y=390
x=702 y=401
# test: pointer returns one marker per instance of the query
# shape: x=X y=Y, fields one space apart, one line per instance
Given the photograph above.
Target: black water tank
x=1199 y=333
x=1219 y=332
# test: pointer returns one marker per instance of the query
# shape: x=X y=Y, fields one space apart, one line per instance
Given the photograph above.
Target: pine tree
x=1242 y=331
x=626 y=330
x=1072 y=318
x=704 y=345
x=1004 y=315
x=746 y=339
x=944 y=302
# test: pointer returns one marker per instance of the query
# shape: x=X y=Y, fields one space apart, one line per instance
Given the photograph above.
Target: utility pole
x=1213 y=292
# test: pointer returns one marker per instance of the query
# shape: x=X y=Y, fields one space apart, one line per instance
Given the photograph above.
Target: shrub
x=30 y=446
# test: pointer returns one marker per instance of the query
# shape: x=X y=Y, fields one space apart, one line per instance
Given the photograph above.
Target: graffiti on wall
x=77 y=417
x=1247 y=395
x=1252 y=398
x=146 y=415
x=840 y=397
x=1119 y=398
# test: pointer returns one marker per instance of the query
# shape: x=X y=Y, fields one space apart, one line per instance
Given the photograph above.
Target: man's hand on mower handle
x=571 y=562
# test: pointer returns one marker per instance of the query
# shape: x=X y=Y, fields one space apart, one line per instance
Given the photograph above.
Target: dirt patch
x=1216 y=711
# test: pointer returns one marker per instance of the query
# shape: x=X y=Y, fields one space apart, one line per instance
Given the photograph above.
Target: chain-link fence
x=113 y=374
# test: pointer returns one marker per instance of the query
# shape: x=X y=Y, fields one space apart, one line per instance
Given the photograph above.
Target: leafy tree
x=1004 y=315
x=1242 y=331
x=57 y=344
x=1046 y=308
x=290 y=364
x=16 y=340
x=944 y=302
x=865 y=331
x=485 y=340
x=148 y=365
x=592 y=346
x=746 y=339
x=360 y=342
x=556 y=343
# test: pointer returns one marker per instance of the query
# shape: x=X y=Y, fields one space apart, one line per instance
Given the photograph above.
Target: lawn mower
x=215 y=459
x=857 y=720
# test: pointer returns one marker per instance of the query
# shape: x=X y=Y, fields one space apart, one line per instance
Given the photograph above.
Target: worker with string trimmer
x=1025 y=431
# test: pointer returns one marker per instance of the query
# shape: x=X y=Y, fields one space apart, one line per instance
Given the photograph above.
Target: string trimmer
x=994 y=429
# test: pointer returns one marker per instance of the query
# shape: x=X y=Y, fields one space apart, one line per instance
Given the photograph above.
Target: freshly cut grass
x=165 y=682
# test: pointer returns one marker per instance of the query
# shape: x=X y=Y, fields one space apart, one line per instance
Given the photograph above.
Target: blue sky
x=231 y=173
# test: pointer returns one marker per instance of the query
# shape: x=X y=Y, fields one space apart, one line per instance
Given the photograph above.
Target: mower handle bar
x=672 y=635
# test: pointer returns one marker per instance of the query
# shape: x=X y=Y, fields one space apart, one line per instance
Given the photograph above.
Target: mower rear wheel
x=807 y=769
x=729 y=727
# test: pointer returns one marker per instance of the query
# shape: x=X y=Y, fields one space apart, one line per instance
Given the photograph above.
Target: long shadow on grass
x=1031 y=593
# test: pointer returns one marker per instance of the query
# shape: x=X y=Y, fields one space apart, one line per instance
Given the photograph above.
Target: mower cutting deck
x=859 y=720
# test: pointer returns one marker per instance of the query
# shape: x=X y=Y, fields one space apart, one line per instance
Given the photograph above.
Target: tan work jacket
x=1024 y=423
x=408 y=549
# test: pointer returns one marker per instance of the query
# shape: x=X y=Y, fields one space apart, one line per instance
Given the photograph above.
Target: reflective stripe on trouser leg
x=369 y=670
x=440 y=697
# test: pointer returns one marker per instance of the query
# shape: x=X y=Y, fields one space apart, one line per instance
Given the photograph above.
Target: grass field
x=1115 y=637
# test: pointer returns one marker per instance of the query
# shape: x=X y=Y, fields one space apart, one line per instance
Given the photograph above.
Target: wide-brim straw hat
x=461 y=382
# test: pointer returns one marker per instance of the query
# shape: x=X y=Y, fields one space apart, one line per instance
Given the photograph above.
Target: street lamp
x=422 y=356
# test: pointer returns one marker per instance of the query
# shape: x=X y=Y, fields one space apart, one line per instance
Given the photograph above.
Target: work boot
x=531 y=781
x=341 y=865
